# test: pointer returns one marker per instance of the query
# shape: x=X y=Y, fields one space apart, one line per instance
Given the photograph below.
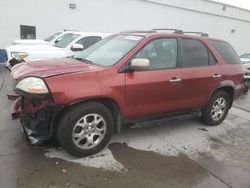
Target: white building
x=49 y=16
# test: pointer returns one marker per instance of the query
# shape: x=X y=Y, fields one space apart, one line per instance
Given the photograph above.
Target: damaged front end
x=37 y=114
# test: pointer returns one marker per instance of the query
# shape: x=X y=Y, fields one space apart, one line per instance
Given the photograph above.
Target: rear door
x=156 y=90
x=200 y=74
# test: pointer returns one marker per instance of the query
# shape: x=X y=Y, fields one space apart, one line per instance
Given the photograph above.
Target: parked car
x=245 y=59
x=20 y=45
x=51 y=40
x=69 y=45
x=127 y=77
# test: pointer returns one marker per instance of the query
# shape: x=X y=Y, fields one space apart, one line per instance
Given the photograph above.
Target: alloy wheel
x=89 y=131
x=218 y=109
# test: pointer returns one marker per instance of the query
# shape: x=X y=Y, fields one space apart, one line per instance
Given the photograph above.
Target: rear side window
x=227 y=52
x=212 y=60
x=196 y=54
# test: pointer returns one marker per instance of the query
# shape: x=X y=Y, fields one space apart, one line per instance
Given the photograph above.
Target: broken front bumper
x=37 y=117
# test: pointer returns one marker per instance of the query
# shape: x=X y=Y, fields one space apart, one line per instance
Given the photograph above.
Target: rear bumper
x=238 y=90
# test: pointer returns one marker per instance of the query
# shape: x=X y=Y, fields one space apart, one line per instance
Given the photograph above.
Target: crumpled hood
x=50 y=68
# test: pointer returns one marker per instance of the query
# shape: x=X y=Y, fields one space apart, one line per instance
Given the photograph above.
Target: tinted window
x=227 y=52
x=212 y=60
x=88 y=41
x=161 y=53
x=195 y=53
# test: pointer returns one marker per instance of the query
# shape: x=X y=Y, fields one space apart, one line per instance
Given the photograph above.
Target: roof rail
x=177 y=31
x=71 y=30
x=199 y=33
x=138 y=31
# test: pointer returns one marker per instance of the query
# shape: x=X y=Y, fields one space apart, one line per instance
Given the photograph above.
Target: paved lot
x=171 y=152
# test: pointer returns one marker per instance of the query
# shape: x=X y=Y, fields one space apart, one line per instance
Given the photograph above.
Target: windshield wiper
x=84 y=60
x=87 y=61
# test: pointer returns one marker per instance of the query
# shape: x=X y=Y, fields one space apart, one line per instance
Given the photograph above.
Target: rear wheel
x=217 y=109
x=85 y=129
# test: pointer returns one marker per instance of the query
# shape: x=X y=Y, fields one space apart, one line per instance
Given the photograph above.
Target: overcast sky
x=239 y=3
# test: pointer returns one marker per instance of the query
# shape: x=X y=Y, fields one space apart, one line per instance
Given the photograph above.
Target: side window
x=195 y=53
x=212 y=60
x=227 y=52
x=161 y=53
x=88 y=41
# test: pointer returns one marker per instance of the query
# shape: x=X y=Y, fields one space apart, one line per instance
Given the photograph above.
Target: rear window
x=227 y=52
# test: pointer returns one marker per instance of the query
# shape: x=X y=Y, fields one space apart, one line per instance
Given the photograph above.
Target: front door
x=156 y=90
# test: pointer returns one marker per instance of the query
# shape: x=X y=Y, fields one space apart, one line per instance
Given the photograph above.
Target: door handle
x=174 y=80
x=217 y=75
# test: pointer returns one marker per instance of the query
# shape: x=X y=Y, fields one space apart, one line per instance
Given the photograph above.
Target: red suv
x=127 y=77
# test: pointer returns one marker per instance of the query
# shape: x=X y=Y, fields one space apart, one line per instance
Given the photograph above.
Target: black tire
x=72 y=116
x=206 y=116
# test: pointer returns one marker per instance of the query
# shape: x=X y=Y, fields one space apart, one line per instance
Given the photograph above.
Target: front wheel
x=217 y=109
x=85 y=129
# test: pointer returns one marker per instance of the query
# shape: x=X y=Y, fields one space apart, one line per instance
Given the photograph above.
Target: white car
x=20 y=45
x=49 y=40
x=245 y=59
x=69 y=45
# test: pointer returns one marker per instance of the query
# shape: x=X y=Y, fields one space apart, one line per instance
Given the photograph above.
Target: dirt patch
x=228 y=156
x=232 y=147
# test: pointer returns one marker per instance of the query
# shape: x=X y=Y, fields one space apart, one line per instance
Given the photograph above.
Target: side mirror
x=77 y=47
x=139 y=64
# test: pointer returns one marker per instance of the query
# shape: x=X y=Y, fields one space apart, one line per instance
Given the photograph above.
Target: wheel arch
x=110 y=103
x=228 y=87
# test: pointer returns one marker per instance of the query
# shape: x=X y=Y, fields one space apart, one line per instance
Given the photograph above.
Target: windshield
x=110 y=50
x=66 y=40
x=50 y=38
x=245 y=56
